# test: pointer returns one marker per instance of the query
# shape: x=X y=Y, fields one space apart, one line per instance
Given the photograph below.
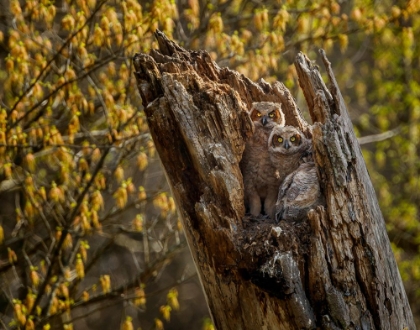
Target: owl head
x=266 y=114
x=287 y=140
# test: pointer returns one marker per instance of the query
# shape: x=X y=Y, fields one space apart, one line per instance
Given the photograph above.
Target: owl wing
x=284 y=188
x=299 y=193
x=304 y=187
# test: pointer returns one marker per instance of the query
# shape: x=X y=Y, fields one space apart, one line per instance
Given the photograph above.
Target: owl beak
x=286 y=144
x=264 y=120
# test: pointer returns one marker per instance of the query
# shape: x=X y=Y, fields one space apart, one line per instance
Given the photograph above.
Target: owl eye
x=258 y=114
x=271 y=114
x=293 y=139
x=280 y=139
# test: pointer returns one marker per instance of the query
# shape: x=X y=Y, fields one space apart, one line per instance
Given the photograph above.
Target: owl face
x=266 y=113
x=285 y=139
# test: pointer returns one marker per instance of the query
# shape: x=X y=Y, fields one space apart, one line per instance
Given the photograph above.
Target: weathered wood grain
x=335 y=271
x=361 y=263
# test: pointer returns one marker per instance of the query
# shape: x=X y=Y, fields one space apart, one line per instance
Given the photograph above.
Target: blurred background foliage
x=89 y=236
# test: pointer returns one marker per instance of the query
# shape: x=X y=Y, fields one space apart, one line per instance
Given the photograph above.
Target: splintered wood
x=334 y=271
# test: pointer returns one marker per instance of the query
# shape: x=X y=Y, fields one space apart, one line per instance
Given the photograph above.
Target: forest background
x=89 y=235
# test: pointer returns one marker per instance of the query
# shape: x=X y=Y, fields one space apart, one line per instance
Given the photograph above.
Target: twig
x=53 y=58
x=379 y=137
x=67 y=82
x=65 y=231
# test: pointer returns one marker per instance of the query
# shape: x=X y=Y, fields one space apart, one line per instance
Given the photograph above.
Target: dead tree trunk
x=335 y=271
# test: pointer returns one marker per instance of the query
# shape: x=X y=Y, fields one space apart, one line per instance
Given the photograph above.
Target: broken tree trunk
x=334 y=271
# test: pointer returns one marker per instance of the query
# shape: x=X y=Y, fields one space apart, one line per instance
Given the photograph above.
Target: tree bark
x=334 y=271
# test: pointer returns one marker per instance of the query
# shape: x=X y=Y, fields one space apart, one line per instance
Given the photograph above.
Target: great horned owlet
x=286 y=147
x=261 y=183
x=290 y=153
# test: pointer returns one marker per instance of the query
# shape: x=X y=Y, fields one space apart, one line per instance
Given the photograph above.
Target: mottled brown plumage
x=290 y=153
x=261 y=181
x=299 y=193
x=287 y=146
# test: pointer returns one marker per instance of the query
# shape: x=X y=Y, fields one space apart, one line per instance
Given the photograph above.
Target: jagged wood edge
x=333 y=141
x=150 y=76
x=352 y=225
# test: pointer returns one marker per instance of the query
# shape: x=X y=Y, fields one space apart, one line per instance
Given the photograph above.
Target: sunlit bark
x=335 y=271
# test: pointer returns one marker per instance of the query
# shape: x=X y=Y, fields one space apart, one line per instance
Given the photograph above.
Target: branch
x=54 y=57
x=379 y=137
x=65 y=231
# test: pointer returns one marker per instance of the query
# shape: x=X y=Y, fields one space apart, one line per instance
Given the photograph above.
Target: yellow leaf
x=128 y=324
x=343 y=41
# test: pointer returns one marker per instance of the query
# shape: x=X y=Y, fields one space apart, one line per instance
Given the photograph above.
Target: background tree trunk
x=335 y=271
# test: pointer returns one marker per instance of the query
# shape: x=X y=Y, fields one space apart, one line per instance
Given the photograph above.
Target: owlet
x=261 y=182
x=290 y=153
x=287 y=146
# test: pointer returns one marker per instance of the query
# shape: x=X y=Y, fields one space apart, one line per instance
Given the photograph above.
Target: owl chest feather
x=285 y=163
x=258 y=171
